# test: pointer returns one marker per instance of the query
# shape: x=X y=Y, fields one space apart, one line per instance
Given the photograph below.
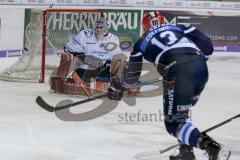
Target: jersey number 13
x=169 y=35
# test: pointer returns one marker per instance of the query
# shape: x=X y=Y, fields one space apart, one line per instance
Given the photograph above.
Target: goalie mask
x=101 y=27
x=152 y=19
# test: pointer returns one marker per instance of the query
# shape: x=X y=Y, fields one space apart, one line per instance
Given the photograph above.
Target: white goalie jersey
x=87 y=42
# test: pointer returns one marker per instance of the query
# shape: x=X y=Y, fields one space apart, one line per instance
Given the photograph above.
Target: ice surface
x=27 y=132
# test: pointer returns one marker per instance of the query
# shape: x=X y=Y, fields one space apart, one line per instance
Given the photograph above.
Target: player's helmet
x=101 y=27
x=152 y=19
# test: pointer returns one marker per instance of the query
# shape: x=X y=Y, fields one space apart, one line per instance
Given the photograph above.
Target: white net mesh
x=61 y=26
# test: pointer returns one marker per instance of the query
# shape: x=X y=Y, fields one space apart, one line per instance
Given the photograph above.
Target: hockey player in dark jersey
x=188 y=49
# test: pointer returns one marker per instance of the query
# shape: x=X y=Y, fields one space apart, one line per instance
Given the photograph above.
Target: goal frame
x=44 y=33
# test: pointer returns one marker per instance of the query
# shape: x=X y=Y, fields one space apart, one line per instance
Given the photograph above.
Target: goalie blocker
x=59 y=84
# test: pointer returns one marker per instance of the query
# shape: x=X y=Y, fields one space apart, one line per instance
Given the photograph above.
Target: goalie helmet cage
x=45 y=35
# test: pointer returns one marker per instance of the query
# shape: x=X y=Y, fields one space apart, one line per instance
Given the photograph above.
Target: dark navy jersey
x=167 y=40
x=170 y=39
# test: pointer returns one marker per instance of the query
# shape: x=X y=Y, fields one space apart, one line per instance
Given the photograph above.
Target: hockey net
x=45 y=35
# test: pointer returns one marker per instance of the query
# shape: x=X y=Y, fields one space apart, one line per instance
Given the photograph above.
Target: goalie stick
x=81 y=84
x=145 y=154
x=43 y=104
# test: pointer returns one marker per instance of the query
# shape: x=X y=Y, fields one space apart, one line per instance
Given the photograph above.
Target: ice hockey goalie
x=85 y=66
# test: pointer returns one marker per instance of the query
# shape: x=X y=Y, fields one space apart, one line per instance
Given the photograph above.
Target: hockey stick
x=136 y=85
x=205 y=131
x=43 y=104
x=80 y=83
x=152 y=153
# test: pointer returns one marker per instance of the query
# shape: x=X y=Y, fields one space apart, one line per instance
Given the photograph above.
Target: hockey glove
x=114 y=94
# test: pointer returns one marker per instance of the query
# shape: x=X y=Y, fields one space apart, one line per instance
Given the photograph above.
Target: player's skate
x=215 y=151
x=185 y=153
